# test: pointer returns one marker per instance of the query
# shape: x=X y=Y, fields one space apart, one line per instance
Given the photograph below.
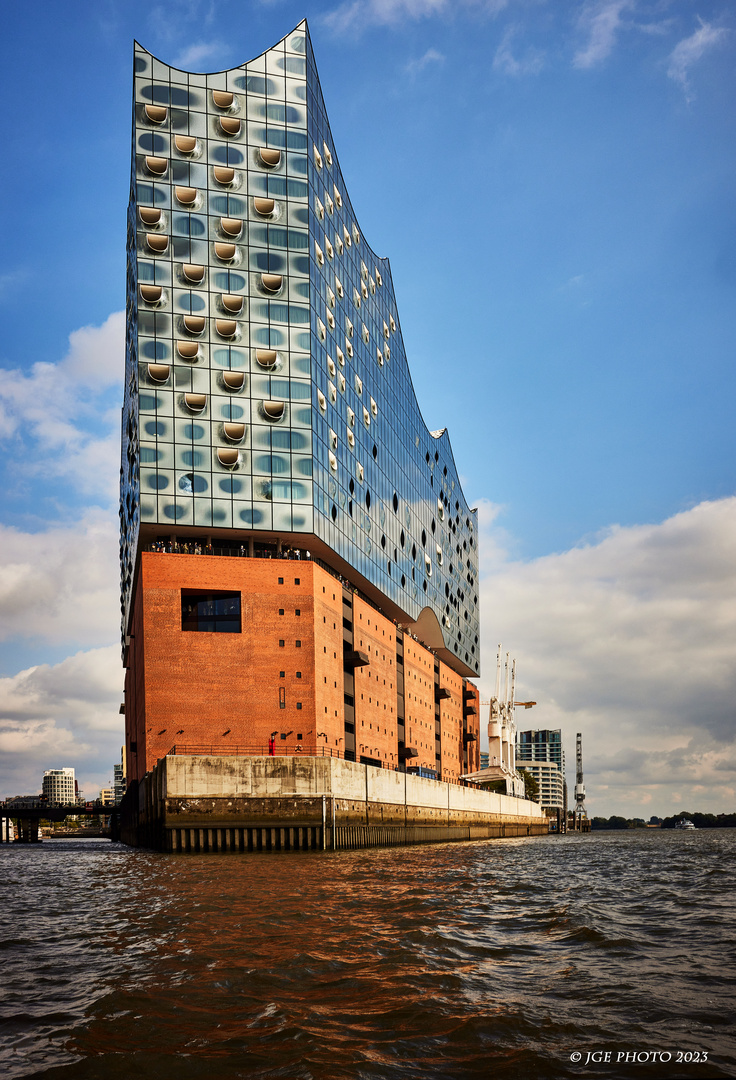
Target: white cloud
x=355 y=15
x=690 y=50
x=63 y=417
x=600 y=21
x=61 y=715
x=61 y=585
x=632 y=641
x=431 y=56
x=194 y=57
x=505 y=61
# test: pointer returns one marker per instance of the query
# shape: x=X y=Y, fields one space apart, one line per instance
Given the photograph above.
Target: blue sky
x=553 y=183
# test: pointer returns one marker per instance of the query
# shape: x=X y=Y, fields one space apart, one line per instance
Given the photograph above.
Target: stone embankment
x=197 y=804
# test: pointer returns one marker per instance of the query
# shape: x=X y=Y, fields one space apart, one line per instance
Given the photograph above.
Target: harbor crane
x=580 y=812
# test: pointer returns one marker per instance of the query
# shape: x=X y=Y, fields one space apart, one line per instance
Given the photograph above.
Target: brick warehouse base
x=197 y=804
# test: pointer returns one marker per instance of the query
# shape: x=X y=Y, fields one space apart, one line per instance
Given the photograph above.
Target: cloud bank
x=632 y=641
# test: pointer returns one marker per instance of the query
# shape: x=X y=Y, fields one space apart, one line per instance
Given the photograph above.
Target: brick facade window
x=210 y=612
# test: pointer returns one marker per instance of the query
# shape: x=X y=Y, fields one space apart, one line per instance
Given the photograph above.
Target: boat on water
x=685 y=824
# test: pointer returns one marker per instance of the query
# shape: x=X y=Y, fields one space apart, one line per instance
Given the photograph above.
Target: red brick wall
x=375 y=685
x=451 y=724
x=328 y=670
x=473 y=724
x=419 y=701
x=214 y=689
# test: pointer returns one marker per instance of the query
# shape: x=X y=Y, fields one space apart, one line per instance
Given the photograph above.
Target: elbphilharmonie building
x=299 y=563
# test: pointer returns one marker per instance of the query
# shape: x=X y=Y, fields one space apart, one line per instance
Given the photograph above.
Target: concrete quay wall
x=198 y=803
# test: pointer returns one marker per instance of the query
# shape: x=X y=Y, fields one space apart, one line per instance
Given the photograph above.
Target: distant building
x=24 y=802
x=107 y=796
x=484 y=759
x=549 y=779
x=118 y=778
x=542 y=754
x=59 y=786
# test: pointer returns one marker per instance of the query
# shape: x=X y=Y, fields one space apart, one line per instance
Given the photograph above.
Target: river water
x=494 y=959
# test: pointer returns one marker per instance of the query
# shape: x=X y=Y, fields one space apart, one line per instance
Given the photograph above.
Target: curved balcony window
x=223 y=174
x=366 y=418
x=266 y=357
x=234 y=432
x=157 y=166
x=185 y=144
x=374 y=407
x=331 y=366
x=157 y=244
x=269 y=157
x=230 y=125
x=194 y=274
x=264 y=207
x=272 y=283
x=225 y=252
x=223 y=99
x=317 y=157
x=226 y=328
x=156 y=113
x=322 y=400
x=231 y=226
x=332 y=460
x=187 y=350
x=195 y=324
x=149 y=215
x=233 y=380
x=159 y=373
x=151 y=293
x=187 y=196
x=195 y=402
x=232 y=302
x=274 y=410
x=351 y=439
x=227 y=456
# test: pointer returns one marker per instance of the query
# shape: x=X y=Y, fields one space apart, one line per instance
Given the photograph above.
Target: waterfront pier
x=196 y=804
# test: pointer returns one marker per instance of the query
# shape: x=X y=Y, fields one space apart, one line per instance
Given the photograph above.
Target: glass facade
x=267 y=387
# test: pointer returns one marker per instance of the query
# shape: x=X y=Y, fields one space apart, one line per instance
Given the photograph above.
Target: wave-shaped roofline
x=442 y=433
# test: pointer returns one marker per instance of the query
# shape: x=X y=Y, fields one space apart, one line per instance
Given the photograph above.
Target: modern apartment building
x=299 y=565
x=59 y=786
x=541 y=752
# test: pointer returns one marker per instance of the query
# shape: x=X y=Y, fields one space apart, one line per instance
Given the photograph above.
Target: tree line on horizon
x=700 y=821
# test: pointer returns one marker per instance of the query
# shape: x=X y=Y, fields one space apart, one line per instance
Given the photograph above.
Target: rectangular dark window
x=299 y=737
x=281 y=581
x=298 y=644
x=281 y=643
x=282 y=697
x=297 y=581
x=210 y=612
x=298 y=674
x=282 y=674
x=297 y=611
x=298 y=704
x=281 y=611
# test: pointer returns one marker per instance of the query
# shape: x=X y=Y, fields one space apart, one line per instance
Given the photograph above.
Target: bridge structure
x=28 y=817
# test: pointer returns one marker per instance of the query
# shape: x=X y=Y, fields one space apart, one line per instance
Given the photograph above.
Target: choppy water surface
x=490 y=959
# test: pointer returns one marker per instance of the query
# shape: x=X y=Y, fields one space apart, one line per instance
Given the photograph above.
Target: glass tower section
x=267 y=389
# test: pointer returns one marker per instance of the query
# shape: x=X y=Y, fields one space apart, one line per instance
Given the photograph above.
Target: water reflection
x=484 y=959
